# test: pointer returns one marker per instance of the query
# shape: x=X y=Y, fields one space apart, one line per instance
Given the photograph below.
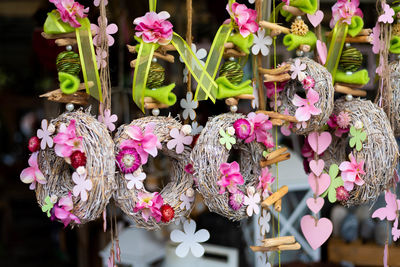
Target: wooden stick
x=295 y=246
x=58 y=91
x=233 y=53
x=274 y=26
x=58 y=36
x=276 y=115
x=148 y=99
x=277 y=71
x=65 y=41
x=229 y=45
x=277 y=122
x=276 y=78
x=274 y=33
x=348 y=91
x=293 y=10
x=275 y=196
x=278 y=205
x=280 y=158
x=231 y=101
x=166 y=57
x=276 y=153
x=363 y=32
x=277 y=241
x=163 y=49
x=352 y=85
x=79 y=97
x=359 y=39
x=245 y=96
x=155 y=105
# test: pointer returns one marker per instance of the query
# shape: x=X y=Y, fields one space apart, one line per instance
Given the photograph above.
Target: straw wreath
x=323 y=86
x=395 y=98
x=100 y=167
x=180 y=180
x=209 y=154
x=379 y=150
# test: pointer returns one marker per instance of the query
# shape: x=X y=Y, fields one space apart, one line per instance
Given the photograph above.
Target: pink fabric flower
x=306 y=106
x=154 y=28
x=244 y=17
x=32 y=174
x=108 y=119
x=62 y=210
x=82 y=185
x=149 y=204
x=376 y=41
x=110 y=29
x=271 y=89
x=333 y=123
x=101 y=56
x=351 y=172
x=230 y=177
x=285 y=128
x=343 y=119
x=69 y=11
x=344 y=10
x=66 y=140
x=128 y=160
x=236 y=200
x=387 y=16
x=145 y=142
x=269 y=140
x=265 y=180
x=243 y=128
x=189 y=169
x=342 y=194
x=179 y=140
x=261 y=125
x=308 y=83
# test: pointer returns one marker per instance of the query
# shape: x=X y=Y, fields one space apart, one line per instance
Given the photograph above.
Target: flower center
x=128 y=160
x=77 y=143
x=238 y=198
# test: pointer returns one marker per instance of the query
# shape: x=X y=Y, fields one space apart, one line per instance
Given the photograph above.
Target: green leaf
x=332 y=195
x=352 y=142
x=363 y=136
x=47 y=206
x=333 y=171
x=337 y=182
x=353 y=131
x=358 y=145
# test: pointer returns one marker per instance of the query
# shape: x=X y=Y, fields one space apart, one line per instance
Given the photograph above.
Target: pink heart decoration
x=322 y=51
x=316 y=19
x=319 y=142
x=317 y=166
x=323 y=182
x=315 y=205
x=316 y=234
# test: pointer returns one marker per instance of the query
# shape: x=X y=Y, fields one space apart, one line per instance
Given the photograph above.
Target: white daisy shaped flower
x=189 y=105
x=200 y=54
x=261 y=43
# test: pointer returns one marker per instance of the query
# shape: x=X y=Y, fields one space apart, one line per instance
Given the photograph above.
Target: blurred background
x=27 y=69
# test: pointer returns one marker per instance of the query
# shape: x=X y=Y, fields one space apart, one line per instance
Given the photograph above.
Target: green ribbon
x=213 y=61
x=339 y=34
x=153 y=5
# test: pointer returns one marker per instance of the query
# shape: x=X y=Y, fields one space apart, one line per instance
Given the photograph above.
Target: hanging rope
x=104 y=71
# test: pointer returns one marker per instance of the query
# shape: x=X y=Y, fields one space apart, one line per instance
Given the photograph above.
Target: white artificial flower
x=261 y=43
x=135 y=179
x=186 y=201
x=251 y=201
x=264 y=222
x=196 y=128
x=200 y=54
x=189 y=105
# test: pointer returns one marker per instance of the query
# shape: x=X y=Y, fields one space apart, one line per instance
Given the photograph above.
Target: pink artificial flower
x=387 y=16
x=110 y=29
x=308 y=83
x=333 y=123
x=244 y=17
x=108 y=119
x=189 y=168
x=271 y=88
x=243 y=128
x=149 y=204
x=285 y=128
x=154 y=28
x=179 y=140
x=145 y=143
x=230 y=177
x=306 y=106
x=69 y=11
x=128 y=160
x=261 y=125
x=236 y=200
x=265 y=180
x=287 y=2
x=342 y=194
x=62 y=210
x=66 y=141
x=97 y=2
x=351 y=172
x=344 y=10
x=269 y=140
x=32 y=174
x=343 y=119
x=376 y=41
x=101 y=56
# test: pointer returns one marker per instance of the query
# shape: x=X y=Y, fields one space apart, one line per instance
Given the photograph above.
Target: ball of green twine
x=232 y=71
x=351 y=59
x=156 y=76
x=69 y=62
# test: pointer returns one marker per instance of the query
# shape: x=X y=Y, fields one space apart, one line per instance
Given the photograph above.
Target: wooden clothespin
x=275 y=197
x=348 y=89
x=277 y=244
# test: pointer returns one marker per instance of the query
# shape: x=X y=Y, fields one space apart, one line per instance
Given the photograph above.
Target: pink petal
x=112 y=28
x=312 y=96
x=135 y=132
x=27 y=175
x=302 y=114
x=298 y=101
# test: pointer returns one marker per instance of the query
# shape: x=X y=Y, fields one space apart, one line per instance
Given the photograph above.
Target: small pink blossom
x=149 y=204
x=101 y=56
x=62 y=210
x=387 y=16
x=297 y=70
x=82 y=186
x=236 y=200
x=179 y=140
x=376 y=41
x=44 y=134
x=108 y=119
x=343 y=119
x=308 y=83
x=244 y=17
x=271 y=88
x=243 y=128
x=128 y=160
x=265 y=180
x=154 y=28
x=333 y=123
x=269 y=140
x=344 y=10
x=342 y=194
x=66 y=140
x=351 y=172
x=145 y=142
x=261 y=125
x=110 y=29
x=230 y=177
x=306 y=106
x=189 y=168
x=32 y=174
x=70 y=10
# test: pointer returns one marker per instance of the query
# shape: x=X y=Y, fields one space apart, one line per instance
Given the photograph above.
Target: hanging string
x=189 y=12
x=261 y=94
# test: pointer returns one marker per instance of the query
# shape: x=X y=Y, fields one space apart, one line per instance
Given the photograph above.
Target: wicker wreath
x=207 y=157
x=395 y=99
x=379 y=151
x=323 y=86
x=98 y=147
x=177 y=195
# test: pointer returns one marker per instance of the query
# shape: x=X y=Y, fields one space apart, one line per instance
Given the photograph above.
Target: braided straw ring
x=98 y=147
x=180 y=184
x=395 y=97
x=379 y=151
x=323 y=86
x=207 y=156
